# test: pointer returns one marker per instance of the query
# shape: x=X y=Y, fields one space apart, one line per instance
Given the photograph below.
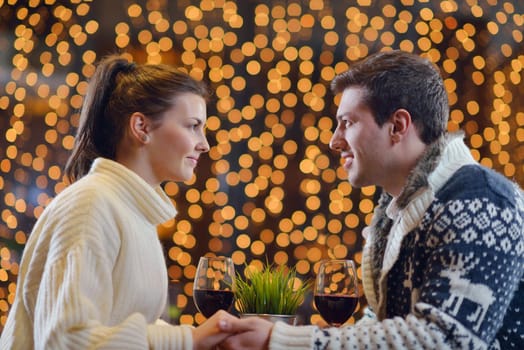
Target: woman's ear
x=139 y=126
x=400 y=123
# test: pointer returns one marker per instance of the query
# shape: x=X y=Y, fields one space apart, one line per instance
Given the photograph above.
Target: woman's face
x=177 y=143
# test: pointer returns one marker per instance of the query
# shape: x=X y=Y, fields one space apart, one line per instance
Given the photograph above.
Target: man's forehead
x=351 y=98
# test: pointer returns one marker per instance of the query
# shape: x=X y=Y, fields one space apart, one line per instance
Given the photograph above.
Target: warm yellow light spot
x=253 y=67
x=258 y=247
x=307 y=21
x=258 y=215
x=366 y=206
x=193 y=13
x=243 y=241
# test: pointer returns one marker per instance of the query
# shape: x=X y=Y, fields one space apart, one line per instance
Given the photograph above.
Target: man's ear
x=400 y=123
x=139 y=126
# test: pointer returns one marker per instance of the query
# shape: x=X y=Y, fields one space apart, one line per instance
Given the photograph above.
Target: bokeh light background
x=269 y=189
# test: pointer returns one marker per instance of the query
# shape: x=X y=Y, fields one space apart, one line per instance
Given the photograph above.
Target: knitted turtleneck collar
x=152 y=202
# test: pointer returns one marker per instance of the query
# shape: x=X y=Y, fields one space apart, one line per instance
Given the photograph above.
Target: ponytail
x=96 y=129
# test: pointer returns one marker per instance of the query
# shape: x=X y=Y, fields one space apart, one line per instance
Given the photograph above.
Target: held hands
x=230 y=333
x=250 y=333
x=209 y=334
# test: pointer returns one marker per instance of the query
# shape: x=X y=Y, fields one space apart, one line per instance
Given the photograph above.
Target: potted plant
x=273 y=293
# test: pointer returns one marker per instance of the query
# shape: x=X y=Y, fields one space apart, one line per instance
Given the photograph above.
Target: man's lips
x=347 y=160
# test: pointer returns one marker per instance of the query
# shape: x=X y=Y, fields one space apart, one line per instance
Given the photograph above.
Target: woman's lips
x=194 y=161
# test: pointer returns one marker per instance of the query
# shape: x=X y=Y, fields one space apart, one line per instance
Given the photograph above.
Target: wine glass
x=336 y=291
x=213 y=285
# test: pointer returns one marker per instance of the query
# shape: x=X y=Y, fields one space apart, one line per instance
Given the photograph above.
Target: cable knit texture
x=93 y=274
x=442 y=266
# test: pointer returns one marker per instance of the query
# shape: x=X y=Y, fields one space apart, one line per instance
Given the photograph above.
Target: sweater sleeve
x=73 y=305
x=395 y=333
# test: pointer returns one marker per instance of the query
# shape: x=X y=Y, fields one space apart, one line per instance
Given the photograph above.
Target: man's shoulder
x=474 y=180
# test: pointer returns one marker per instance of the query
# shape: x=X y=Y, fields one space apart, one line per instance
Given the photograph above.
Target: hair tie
x=126 y=67
x=131 y=66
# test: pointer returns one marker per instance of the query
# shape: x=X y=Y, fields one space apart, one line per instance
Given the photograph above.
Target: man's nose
x=337 y=141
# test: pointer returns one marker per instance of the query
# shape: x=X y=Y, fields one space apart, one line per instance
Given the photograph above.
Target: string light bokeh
x=269 y=189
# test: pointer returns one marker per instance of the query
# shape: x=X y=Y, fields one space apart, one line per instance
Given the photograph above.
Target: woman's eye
x=194 y=126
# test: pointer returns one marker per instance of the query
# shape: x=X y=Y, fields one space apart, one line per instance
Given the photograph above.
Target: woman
x=93 y=274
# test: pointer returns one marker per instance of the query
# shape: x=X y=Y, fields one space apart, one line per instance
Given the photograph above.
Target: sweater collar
x=438 y=163
x=152 y=202
x=440 y=160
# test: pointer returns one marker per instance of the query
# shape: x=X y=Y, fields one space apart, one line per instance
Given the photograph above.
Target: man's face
x=363 y=145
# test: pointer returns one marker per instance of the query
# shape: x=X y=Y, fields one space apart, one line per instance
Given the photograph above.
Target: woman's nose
x=203 y=145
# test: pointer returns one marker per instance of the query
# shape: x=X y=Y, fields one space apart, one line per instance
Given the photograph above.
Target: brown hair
x=397 y=79
x=118 y=89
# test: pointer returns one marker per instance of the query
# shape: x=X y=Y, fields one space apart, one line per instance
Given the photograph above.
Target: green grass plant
x=272 y=290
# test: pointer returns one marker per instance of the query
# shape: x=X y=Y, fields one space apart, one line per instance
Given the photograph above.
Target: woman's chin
x=185 y=177
x=179 y=177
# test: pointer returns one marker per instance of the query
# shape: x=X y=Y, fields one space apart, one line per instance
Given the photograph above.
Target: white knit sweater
x=93 y=274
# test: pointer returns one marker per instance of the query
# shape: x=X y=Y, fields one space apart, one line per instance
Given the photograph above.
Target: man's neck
x=408 y=155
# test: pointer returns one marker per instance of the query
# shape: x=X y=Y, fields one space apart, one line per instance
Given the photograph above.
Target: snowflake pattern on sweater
x=467 y=258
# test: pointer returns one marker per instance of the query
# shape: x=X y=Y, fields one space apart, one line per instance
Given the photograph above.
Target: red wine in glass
x=336 y=291
x=209 y=301
x=213 y=285
x=335 y=309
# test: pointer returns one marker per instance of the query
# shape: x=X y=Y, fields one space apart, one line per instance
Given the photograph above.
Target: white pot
x=289 y=319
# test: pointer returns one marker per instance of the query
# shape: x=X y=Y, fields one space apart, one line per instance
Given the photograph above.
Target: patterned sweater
x=93 y=274
x=443 y=264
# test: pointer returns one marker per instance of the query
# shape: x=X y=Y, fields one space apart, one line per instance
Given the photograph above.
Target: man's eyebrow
x=340 y=116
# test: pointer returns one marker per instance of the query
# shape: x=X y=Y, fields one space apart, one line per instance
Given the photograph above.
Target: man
x=444 y=257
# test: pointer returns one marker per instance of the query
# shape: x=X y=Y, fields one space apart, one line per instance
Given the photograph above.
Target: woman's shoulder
x=80 y=214
x=87 y=189
x=85 y=201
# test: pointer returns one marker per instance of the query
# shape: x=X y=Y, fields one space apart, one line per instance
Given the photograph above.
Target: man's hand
x=250 y=333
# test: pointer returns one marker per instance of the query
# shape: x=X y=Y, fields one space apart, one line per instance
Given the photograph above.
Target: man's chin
x=356 y=182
